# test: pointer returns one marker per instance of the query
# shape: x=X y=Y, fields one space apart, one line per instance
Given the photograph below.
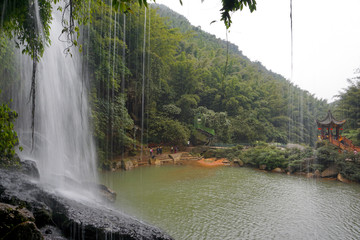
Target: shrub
x=8 y=137
x=349 y=166
x=271 y=156
x=327 y=154
x=165 y=130
x=228 y=153
x=301 y=160
x=316 y=166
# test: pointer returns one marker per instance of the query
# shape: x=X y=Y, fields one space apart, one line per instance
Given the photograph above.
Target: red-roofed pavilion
x=327 y=125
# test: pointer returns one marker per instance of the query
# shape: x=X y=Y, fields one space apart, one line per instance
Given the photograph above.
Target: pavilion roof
x=330 y=121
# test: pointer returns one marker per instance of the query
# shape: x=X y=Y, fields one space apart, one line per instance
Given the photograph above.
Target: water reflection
x=237 y=203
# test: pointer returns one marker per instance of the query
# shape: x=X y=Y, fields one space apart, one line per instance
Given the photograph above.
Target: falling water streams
x=63 y=145
x=123 y=80
x=38 y=21
x=109 y=105
x=113 y=86
x=148 y=73
x=291 y=78
x=143 y=87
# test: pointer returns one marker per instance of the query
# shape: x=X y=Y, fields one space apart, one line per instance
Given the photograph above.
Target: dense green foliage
x=29 y=21
x=348 y=107
x=260 y=105
x=272 y=156
x=300 y=160
x=8 y=69
x=268 y=155
x=294 y=160
x=347 y=163
x=349 y=166
x=20 y=21
x=8 y=137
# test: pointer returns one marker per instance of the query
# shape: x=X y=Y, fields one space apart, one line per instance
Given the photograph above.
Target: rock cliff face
x=75 y=219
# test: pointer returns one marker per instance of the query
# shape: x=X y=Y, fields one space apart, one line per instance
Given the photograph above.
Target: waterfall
x=301 y=118
x=63 y=143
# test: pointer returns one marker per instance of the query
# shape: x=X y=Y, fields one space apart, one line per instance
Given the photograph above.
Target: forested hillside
x=150 y=73
x=168 y=71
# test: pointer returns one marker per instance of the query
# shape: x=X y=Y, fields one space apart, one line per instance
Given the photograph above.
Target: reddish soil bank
x=211 y=162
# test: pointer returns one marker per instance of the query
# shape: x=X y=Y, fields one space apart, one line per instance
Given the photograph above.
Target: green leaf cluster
x=232 y=6
x=8 y=137
x=30 y=29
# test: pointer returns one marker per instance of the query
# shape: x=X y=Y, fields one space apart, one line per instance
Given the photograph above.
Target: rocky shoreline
x=183 y=158
x=27 y=211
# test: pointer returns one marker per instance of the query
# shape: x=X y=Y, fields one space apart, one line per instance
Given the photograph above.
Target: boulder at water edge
x=317 y=173
x=309 y=175
x=29 y=168
x=342 y=179
x=262 y=167
x=331 y=171
x=239 y=162
x=101 y=190
x=127 y=164
x=277 y=170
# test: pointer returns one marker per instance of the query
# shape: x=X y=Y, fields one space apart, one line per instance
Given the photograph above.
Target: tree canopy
x=348 y=107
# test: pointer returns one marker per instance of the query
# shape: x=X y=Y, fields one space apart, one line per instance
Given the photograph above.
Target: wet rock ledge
x=29 y=212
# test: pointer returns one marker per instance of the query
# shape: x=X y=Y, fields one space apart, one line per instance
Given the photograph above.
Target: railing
x=346 y=145
x=223 y=145
x=348 y=142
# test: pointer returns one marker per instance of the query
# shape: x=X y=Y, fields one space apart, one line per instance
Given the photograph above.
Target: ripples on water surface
x=237 y=203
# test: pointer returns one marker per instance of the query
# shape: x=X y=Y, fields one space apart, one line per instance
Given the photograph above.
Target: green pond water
x=190 y=202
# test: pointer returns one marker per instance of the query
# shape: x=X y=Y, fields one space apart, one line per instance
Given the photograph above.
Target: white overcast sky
x=326 y=38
